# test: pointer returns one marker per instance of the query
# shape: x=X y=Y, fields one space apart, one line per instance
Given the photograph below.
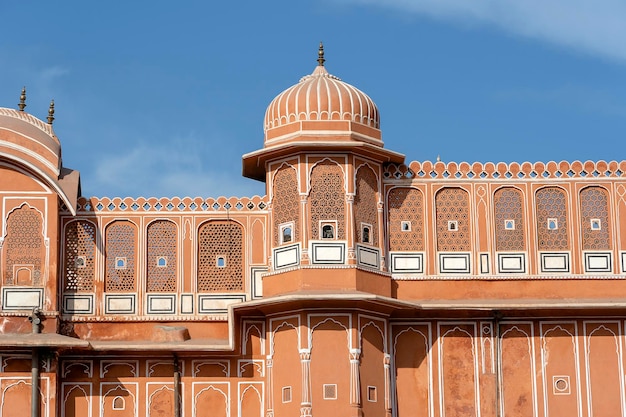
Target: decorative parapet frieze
x=502 y=171
x=173 y=204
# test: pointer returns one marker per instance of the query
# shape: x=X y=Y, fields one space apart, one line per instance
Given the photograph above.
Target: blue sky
x=156 y=98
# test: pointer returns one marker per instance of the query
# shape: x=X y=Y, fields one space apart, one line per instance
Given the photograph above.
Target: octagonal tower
x=322 y=162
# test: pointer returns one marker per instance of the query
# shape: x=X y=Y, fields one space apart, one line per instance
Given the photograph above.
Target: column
x=355 y=384
x=387 y=365
x=305 y=360
x=270 y=387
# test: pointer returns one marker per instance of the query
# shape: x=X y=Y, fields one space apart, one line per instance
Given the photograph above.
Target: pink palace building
x=361 y=284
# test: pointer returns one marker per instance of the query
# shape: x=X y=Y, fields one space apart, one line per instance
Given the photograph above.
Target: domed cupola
x=320 y=114
x=324 y=107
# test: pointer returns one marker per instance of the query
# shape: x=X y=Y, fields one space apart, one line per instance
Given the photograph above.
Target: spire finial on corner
x=320 y=55
x=51 y=112
x=22 y=103
x=438 y=158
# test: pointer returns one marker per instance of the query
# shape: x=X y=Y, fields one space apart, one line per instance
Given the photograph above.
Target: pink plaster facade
x=359 y=285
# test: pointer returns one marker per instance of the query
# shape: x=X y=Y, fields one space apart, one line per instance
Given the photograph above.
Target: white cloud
x=595 y=27
x=183 y=167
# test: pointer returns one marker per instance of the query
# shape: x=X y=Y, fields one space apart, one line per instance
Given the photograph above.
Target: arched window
x=162 y=252
x=23 y=248
x=594 y=214
x=327 y=198
x=120 y=252
x=220 y=256
x=286 y=204
x=406 y=219
x=453 y=220
x=509 y=219
x=80 y=253
x=366 y=205
x=552 y=219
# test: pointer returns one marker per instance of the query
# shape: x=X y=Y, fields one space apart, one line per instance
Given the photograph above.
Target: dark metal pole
x=34 y=401
x=176 y=387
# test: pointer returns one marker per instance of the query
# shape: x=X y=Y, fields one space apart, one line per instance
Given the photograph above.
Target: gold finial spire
x=51 y=112
x=22 y=103
x=320 y=55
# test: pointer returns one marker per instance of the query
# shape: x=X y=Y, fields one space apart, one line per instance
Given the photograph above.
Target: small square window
x=120 y=263
x=405 y=226
x=553 y=224
x=328 y=231
x=509 y=224
x=286 y=394
x=453 y=225
x=80 y=262
x=366 y=231
x=220 y=261
x=161 y=261
x=371 y=394
x=330 y=391
x=596 y=224
x=286 y=233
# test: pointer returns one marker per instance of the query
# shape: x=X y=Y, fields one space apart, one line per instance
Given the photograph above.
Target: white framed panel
x=257 y=281
x=368 y=256
x=120 y=303
x=218 y=303
x=598 y=262
x=78 y=303
x=21 y=298
x=286 y=256
x=407 y=262
x=484 y=263
x=186 y=303
x=554 y=262
x=511 y=263
x=324 y=252
x=454 y=262
x=161 y=303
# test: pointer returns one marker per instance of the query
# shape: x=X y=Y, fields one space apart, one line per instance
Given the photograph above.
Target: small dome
x=321 y=97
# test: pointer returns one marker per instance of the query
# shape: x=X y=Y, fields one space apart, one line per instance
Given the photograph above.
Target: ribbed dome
x=320 y=97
